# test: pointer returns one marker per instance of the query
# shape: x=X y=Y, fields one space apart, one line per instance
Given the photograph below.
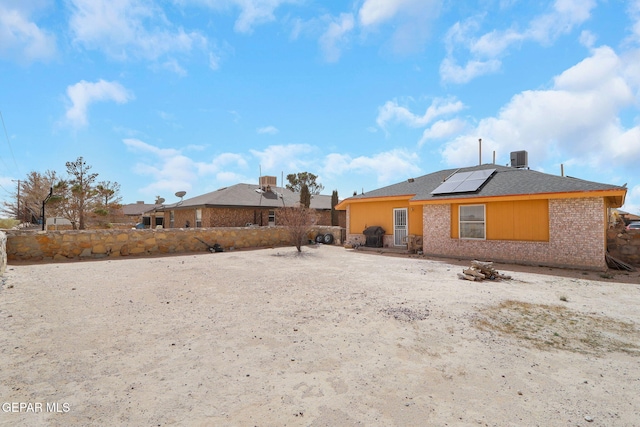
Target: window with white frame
x=198 y=218
x=472 y=222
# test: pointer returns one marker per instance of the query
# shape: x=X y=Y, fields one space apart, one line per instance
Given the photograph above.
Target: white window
x=472 y=222
x=272 y=217
x=171 y=218
x=198 y=218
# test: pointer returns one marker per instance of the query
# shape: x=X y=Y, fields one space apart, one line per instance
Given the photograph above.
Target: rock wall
x=3 y=252
x=91 y=244
x=624 y=245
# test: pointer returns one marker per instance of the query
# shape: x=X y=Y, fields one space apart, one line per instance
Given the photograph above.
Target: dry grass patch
x=549 y=327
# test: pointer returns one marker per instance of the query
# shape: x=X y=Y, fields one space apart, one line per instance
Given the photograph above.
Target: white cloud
x=386 y=166
x=410 y=21
x=173 y=66
x=169 y=170
x=270 y=130
x=220 y=162
x=285 y=157
x=454 y=73
x=575 y=122
x=83 y=94
x=392 y=112
x=632 y=201
x=252 y=12
x=130 y=28
x=22 y=39
x=336 y=36
x=442 y=129
x=484 y=51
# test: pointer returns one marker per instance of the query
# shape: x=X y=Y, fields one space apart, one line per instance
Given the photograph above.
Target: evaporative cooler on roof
x=464 y=182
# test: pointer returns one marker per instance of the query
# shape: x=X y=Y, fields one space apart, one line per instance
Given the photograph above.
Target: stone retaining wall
x=89 y=244
x=624 y=245
x=3 y=252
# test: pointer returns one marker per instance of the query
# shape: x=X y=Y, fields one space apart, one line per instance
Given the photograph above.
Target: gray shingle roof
x=245 y=195
x=136 y=209
x=506 y=181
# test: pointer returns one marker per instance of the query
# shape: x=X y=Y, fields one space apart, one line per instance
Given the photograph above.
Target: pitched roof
x=135 y=209
x=506 y=181
x=247 y=195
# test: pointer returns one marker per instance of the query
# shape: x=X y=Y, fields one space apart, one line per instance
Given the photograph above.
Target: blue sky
x=194 y=95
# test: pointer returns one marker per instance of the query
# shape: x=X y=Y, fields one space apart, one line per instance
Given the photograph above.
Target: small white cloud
x=392 y=112
x=453 y=73
x=410 y=21
x=336 y=36
x=22 y=39
x=387 y=166
x=130 y=28
x=83 y=94
x=285 y=157
x=173 y=66
x=270 y=130
x=442 y=129
x=588 y=39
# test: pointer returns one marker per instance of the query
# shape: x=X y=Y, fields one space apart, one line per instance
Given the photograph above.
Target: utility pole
x=18 y=210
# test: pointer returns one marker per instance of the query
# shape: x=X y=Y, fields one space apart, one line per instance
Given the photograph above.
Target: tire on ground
x=320 y=238
x=328 y=239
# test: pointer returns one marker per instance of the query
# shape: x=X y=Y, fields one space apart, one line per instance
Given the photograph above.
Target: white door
x=399 y=227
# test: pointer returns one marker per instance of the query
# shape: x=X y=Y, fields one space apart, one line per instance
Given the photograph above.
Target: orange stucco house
x=492 y=212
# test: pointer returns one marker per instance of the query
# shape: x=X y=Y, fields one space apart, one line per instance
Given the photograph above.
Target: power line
x=9 y=144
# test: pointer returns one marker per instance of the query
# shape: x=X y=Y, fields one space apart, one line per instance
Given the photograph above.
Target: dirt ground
x=331 y=337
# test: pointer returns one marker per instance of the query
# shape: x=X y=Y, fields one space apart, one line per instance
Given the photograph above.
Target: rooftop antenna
x=180 y=194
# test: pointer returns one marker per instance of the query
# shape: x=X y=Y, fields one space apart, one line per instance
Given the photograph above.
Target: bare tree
x=298 y=220
x=32 y=191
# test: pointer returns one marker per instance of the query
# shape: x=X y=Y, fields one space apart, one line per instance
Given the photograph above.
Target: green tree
x=305 y=196
x=76 y=196
x=297 y=180
x=334 y=212
x=108 y=199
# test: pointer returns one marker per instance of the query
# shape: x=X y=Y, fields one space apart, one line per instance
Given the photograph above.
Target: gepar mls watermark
x=35 y=407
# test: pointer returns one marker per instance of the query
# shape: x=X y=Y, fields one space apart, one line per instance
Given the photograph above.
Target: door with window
x=400 y=227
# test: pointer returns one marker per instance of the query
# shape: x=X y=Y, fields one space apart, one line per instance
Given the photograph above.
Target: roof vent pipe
x=479 y=151
x=494 y=157
x=561 y=169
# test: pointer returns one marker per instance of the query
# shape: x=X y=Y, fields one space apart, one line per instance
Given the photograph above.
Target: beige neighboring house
x=240 y=205
x=58 y=223
x=140 y=213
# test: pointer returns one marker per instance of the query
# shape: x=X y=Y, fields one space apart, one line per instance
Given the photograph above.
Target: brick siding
x=576 y=237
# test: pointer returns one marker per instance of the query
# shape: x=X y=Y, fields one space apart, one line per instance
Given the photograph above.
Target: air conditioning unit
x=267 y=182
x=519 y=159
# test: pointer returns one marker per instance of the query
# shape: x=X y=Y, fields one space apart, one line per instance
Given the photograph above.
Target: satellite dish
x=181 y=194
x=160 y=200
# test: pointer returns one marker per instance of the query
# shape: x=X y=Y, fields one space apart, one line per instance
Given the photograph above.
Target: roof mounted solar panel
x=464 y=182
